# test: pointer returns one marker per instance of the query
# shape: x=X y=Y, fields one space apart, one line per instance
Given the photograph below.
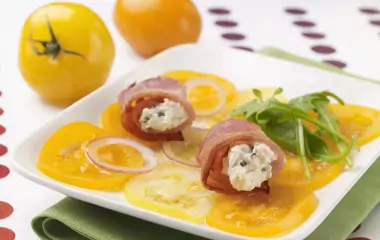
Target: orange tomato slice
x=354 y=119
x=293 y=173
x=63 y=158
x=285 y=210
x=110 y=121
x=171 y=190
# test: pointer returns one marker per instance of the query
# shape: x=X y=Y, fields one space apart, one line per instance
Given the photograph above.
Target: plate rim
x=150 y=216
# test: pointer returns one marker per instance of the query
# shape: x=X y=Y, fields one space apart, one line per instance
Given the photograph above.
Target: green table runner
x=71 y=219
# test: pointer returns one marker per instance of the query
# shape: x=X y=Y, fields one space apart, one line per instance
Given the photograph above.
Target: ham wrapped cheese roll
x=237 y=156
x=156 y=109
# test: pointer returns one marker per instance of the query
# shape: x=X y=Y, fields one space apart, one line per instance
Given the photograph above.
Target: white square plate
x=246 y=70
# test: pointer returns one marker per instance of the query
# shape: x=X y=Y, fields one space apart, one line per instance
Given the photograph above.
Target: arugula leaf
x=301 y=148
x=283 y=124
x=318 y=102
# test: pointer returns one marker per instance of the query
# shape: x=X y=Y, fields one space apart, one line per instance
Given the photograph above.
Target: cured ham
x=156 y=109
x=217 y=148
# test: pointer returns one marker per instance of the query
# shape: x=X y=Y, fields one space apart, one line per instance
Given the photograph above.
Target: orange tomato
x=285 y=210
x=151 y=26
x=354 y=119
x=110 y=121
x=63 y=158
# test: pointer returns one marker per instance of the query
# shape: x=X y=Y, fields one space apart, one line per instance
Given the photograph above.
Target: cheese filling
x=163 y=116
x=248 y=166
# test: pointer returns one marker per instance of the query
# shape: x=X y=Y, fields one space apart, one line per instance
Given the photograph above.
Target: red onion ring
x=191 y=139
x=150 y=159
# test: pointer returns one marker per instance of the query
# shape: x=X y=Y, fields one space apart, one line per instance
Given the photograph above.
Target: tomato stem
x=52 y=47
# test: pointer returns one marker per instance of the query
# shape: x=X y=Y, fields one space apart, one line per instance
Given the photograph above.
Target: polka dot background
x=6 y=208
x=235 y=30
x=224 y=21
x=308 y=30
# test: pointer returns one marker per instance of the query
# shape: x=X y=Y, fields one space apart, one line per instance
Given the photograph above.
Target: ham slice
x=216 y=145
x=147 y=94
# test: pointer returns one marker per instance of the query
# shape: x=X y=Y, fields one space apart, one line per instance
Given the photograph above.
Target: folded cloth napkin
x=71 y=219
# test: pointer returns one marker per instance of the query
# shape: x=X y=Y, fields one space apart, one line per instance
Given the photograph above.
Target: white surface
x=237 y=66
x=262 y=21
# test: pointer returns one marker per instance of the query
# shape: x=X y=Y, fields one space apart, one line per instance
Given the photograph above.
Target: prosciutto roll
x=237 y=156
x=156 y=109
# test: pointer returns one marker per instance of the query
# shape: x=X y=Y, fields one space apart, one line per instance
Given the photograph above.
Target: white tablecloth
x=342 y=31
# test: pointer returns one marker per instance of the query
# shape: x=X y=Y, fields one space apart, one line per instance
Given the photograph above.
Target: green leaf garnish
x=282 y=122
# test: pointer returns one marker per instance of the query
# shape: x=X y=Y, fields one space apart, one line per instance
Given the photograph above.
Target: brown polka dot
x=233 y=36
x=3 y=150
x=243 y=48
x=359 y=238
x=5 y=210
x=295 y=11
x=375 y=22
x=368 y=10
x=1 y=111
x=2 y=129
x=7 y=234
x=335 y=63
x=4 y=171
x=219 y=11
x=313 y=35
x=1 y=93
x=357 y=228
x=323 y=49
x=225 y=23
x=305 y=24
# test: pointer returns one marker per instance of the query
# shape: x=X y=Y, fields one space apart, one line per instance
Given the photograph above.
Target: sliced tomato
x=63 y=158
x=285 y=210
x=293 y=173
x=110 y=121
x=172 y=190
x=360 y=120
x=206 y=97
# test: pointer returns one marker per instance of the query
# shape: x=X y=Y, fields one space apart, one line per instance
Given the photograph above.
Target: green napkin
x=71 y=219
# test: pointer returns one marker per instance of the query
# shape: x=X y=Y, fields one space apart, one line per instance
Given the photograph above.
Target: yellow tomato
x=354 y=119
x=206 y=97
x=110 y=121
x=66 y=52
x=63 y=158
x=171 y=190
x=293 y=173
x=286 y=209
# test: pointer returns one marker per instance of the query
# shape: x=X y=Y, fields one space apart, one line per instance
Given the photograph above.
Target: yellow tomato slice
x=354 y=119
x=293 y=173
x=110 y=121
x=172 y=190
x=207 y=97
x=63 y=158
x=286 y=209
